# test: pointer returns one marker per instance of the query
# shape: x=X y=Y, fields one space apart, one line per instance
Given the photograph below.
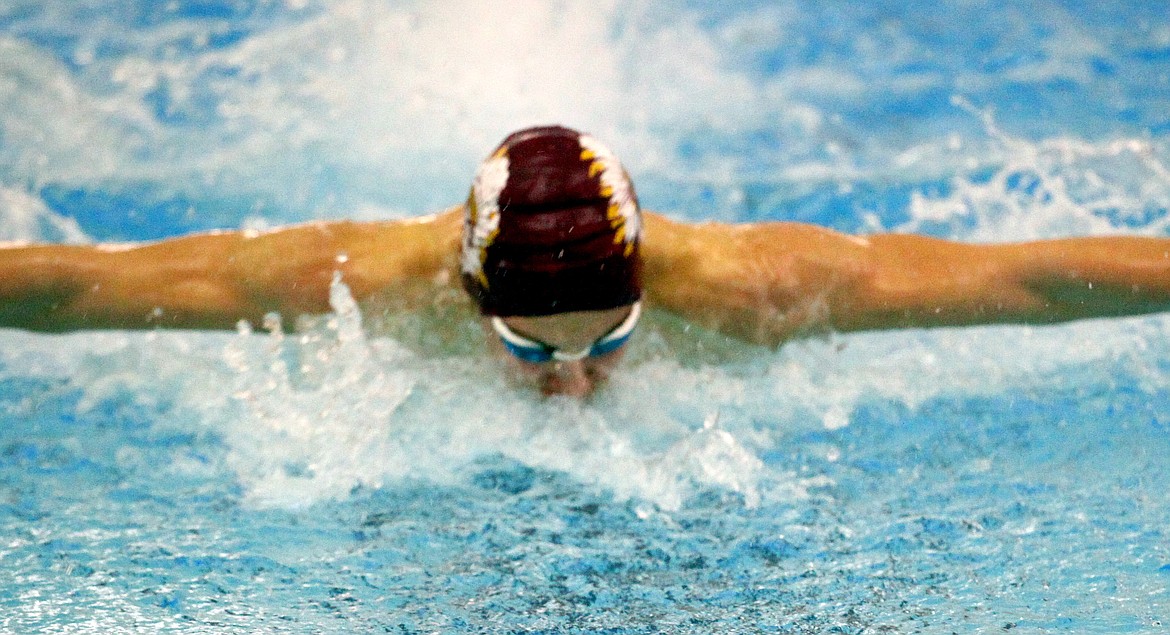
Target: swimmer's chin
x=583 y=396
x=546 y=392
x=551 y=390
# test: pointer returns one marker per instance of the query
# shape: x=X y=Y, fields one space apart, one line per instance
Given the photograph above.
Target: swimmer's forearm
x=924 y=282
x=1097 y=277
x=34 y=283
x=178 y=284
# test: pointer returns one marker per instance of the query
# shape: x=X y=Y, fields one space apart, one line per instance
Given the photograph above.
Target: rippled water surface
x=975 y=480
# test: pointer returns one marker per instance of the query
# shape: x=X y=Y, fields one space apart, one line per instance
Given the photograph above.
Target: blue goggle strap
x=533 y=351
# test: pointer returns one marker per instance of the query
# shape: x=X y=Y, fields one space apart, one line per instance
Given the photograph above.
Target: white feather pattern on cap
x=615 y=185
x=483 y=213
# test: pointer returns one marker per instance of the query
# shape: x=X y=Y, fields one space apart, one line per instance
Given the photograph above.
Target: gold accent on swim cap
x=618 y=223
x=614 y=214
x=614 y=185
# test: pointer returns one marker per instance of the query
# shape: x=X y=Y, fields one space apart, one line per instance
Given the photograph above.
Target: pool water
x=344 y=479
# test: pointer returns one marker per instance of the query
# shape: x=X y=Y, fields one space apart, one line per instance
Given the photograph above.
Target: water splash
x=356 y=105
x=1052 y=187
x=321 y=413
x=314 y=422
x=324 y=412
x=26 y=218
x=310 y=417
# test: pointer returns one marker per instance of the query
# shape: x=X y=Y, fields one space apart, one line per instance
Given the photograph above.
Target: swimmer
x=554 y=251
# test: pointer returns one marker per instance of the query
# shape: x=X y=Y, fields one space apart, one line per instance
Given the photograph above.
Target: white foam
x=1062 y=186
x=360 y=105
x=363 y=104
x=310 y=417
x=53 y=129
x=26 y=218
x=363 y=411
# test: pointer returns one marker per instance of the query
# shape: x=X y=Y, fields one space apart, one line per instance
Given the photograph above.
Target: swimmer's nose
x=567 y=378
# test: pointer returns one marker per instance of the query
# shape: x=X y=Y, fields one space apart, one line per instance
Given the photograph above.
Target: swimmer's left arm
x=918 y=281
x=770 y=282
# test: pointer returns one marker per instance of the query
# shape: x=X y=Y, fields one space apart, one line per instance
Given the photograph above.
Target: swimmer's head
x=551 y=226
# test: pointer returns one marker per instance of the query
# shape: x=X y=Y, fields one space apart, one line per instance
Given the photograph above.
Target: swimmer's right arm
x=214 y=280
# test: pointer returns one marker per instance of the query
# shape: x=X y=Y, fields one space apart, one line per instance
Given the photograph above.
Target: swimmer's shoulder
x=764 y=283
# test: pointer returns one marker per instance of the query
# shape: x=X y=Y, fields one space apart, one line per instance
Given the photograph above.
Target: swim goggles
x=537 y=352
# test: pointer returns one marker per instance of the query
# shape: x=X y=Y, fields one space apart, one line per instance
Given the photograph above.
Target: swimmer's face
x=576 y=331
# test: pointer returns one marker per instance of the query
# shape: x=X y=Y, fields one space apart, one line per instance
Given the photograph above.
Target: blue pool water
x=979 y=480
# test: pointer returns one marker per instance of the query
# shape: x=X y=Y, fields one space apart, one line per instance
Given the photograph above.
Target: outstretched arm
x=214 y=280
x=920 y=281
x=773 y=281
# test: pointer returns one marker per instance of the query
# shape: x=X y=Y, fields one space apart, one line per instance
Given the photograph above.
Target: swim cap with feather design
x=552 y=225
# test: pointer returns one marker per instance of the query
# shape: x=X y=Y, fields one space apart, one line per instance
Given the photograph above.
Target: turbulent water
x=339 y=480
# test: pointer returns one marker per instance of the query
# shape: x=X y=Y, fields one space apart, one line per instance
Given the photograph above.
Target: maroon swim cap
x=551 y=226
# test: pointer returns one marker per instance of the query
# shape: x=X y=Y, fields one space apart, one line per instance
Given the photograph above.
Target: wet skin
x=568 y=332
